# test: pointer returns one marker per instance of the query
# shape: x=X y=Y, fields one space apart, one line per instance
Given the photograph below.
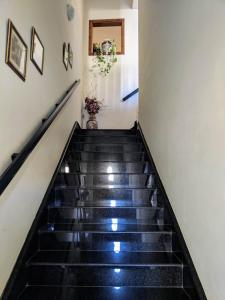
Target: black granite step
x=106 y=132
x=103 y=237
x=99 y=180
x=102 y=241
x=82 y=146
x=106 y=156
x=103 y=293
x=72 y=202
x=109 y=221
x=154 y=215
x=107 y=139
x=72 y=195
x=107 y=187
x=106 y=167
x=162 y=275
x=103 y=187
x=105 y=233
x=104 y=258
x=105 y=228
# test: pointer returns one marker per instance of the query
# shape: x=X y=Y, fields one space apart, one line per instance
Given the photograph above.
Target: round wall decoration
x=70 y=12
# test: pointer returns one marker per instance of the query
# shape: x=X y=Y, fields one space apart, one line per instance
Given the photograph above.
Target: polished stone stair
x=105 y=232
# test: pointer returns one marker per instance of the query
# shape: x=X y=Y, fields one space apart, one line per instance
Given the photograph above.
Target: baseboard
x=25 y=249
x=195 y=278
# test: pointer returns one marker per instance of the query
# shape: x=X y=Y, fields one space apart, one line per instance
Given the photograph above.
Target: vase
x=92 y=122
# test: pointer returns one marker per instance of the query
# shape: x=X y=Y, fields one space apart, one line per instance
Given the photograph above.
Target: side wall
x=23 y=105
x=123 y=78
x=182 y=113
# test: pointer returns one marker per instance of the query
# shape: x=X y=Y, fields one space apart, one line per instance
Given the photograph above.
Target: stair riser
x=110 y=157
x=141 y=181
x=107 y=148
x=153 y=215
x=105 y=167
x=107 y=139
x=109 y=194
x=157 y=276
x=107 y=241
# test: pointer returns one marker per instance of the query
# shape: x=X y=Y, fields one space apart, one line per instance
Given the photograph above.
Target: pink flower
x=92 y=105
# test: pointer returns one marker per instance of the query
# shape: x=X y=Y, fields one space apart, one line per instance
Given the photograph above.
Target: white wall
x=23 y=105
x=123 y=78
x=182 y=113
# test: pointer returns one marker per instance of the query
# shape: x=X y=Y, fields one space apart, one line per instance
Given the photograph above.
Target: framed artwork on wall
x=37 y=51
x=70 y=56
x=16 y=51
x=65 y=56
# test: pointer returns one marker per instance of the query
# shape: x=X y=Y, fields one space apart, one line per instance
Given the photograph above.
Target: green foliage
x=104 y=61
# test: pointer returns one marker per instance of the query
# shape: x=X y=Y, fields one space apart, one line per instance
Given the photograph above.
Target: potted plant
x=92 y=106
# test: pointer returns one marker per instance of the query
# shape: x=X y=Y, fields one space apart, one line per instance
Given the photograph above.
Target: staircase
x=105 y=232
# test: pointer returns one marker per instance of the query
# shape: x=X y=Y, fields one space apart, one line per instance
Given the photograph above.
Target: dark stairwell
x=105 y=229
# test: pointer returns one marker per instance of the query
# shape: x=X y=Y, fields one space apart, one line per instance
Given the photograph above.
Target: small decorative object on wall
x=92 y=106
x=65 y=56
x=105 y=56
x=70 y=12
x=70 y=56
x=37 y=51
x=16 y=51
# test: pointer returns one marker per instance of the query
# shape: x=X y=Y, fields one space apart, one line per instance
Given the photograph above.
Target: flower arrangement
x=92 y=105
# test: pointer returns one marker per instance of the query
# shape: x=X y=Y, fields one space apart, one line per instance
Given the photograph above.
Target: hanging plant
x=104 y=57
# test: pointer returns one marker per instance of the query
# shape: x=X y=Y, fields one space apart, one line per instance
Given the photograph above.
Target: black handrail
x=19 y=159
x=130 y=95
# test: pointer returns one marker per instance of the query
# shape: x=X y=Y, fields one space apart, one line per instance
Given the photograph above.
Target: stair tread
x=110 y=206
x=106 y=142
x=105 y=159
x=109 y=147
x=103 y=207
x=105 y=221
x=103 y=293
x=105 y=173
x=106 y=131
x=121 y=228
x=117 y=167
x=106 y=152
x=106 y=135
x=105 y=258
x=103 y=144
x=103 y=187
x=101 y=203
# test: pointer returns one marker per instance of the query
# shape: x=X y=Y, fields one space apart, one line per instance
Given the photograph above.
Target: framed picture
x=37 y=51
x=65 y=56
x=16 y=52
x=70 y=54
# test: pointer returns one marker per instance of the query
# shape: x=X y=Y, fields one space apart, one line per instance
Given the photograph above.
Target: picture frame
x=70 y=56
x=65 y=56
x=16 y=51
x=37 y=51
